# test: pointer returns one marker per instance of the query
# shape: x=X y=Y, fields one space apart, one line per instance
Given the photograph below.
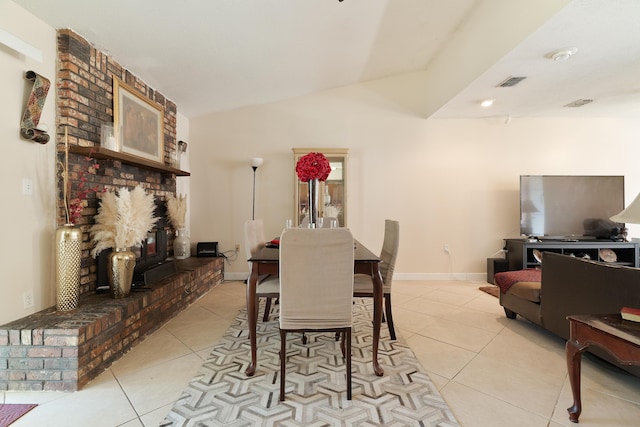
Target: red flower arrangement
x=78 y=203
x=313 y=166
x=73 y=207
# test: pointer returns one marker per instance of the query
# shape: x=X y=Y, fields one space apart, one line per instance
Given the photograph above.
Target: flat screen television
x=568 y=207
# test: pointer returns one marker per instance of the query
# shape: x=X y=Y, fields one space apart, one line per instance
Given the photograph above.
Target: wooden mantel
x=105 y=154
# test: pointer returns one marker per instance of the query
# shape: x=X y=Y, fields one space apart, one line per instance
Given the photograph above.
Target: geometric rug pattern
x=222 y=395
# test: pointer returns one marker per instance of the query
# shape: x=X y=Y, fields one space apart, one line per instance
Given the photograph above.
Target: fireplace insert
x=151 y=253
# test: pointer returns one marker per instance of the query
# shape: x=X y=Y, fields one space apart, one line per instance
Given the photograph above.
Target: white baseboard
x=441 y=276
x=229 y=275
x=476 y=277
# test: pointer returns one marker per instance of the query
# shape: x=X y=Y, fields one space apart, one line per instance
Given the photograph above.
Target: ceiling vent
x=511 y=81
x=579 y=103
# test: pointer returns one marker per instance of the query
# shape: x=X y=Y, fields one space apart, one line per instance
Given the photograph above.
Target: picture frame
x=139 y=123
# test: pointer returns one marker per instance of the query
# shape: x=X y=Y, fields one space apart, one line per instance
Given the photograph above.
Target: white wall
x=446 y=181
x=28 y=222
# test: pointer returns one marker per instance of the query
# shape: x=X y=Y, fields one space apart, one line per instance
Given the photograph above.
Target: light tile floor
x=492 y=371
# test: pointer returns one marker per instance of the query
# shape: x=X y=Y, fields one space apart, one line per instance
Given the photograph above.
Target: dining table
x=266 y=261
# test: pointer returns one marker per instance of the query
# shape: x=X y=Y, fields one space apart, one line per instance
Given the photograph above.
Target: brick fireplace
x=52 y=350
x=84 y=102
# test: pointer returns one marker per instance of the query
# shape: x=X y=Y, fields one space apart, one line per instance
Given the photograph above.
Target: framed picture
x=139 y=121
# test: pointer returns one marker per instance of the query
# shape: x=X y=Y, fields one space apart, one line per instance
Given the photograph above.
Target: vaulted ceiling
x=215 y=55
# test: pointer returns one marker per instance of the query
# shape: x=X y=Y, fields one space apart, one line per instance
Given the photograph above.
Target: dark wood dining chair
x=268 y=286
x=316 y=288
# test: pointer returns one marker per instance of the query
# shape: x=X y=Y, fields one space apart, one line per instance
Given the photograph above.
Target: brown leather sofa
x=574 y=286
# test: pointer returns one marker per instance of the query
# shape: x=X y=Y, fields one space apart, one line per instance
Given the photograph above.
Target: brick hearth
x=52 y=350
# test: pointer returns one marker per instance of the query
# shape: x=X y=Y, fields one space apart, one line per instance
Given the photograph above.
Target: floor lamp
x=255 y=162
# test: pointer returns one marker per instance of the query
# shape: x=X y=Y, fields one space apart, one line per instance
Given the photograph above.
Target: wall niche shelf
x=104 y=154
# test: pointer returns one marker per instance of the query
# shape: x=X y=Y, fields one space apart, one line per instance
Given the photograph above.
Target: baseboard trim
x=441 y=276
x=229 y=275
x=476 y=277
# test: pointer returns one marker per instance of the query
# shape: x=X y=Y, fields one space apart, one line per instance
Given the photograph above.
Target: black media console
x=524 y=253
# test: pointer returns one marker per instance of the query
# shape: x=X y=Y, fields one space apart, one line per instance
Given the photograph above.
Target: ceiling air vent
x=511 y=81
x=579 y=103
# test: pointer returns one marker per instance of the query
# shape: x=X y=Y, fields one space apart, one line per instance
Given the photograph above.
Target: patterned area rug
x=9 y=412
x=222 y=395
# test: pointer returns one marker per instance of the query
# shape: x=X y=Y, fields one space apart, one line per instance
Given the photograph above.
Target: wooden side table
x=620 y=338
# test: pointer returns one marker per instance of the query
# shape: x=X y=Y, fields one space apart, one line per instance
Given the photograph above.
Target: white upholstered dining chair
x=268 y=286
x=363 y=286
x=316 y=288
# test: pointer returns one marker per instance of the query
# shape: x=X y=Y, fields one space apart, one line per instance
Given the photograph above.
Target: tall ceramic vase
x=121 y=263
x=68 y=256
x=313 y=186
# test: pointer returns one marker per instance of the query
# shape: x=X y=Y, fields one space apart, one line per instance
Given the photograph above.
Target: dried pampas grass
x=104 y=230
x=177 y=210
x=135 y=216
x=124 y=220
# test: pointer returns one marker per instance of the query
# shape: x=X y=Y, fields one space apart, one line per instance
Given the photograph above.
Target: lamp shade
x=256 y=161
x=631 y=214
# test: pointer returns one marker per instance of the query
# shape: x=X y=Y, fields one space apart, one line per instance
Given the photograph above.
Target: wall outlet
x=27 y=187
x=27 y=299
x=237 y=247
x=446 y=248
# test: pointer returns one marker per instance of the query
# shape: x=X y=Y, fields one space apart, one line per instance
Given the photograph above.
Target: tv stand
x=523 y=253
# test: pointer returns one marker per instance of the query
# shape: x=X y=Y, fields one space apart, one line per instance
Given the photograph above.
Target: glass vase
x=68 y=257
x=108 y=138
x=181 y=244
x=313 y=186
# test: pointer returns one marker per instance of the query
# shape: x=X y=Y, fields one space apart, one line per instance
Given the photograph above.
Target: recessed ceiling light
x=487 y=103
x=562 y=54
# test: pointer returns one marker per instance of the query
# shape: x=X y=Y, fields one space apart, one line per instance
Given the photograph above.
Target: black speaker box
x=207 y=249
x=496 y=265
